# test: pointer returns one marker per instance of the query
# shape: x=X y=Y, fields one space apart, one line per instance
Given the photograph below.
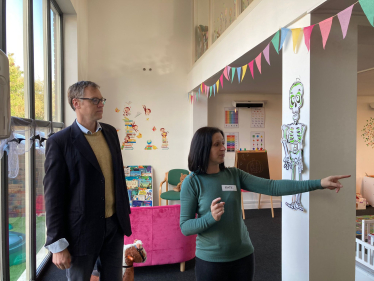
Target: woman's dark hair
x=198 y=159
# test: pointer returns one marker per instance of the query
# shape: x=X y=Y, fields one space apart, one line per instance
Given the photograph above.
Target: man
x=86 y=200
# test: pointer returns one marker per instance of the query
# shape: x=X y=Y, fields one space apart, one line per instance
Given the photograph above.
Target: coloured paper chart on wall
x=258 y=117
x=231 y=117
x=139 y=185
x=232 y=141
x=258 y=140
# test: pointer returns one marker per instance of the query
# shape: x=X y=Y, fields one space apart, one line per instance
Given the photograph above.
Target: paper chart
x=258 y=140
x=232 y=141
x=231 y=117
x=258 y=117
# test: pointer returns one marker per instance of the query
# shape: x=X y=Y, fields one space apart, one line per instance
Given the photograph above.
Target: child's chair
x=172 y=177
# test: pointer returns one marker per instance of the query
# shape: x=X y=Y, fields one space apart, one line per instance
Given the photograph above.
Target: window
x=36 y=99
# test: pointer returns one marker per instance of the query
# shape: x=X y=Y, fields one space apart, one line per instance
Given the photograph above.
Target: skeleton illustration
x=293 y=134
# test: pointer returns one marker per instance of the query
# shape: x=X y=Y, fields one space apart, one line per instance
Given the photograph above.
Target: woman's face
x=217 y=151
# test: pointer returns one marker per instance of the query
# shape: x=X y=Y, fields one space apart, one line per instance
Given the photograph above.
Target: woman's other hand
x=332 y=182
x=217 y=209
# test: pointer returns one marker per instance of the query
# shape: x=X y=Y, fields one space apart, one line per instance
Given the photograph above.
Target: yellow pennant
x=201 y=88
x=296 y=32
x=217 y=85
x=244 y=69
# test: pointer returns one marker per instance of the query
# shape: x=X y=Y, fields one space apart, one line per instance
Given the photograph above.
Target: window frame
x=32 y=272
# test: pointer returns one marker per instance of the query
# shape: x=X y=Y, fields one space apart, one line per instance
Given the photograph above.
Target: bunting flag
x=275 y=41
x=258 y=62
x=284 y=32
x=201 y=86
x=225 y=73
x=214 y=88
x=266 y=53
x=210 y=90
x=344 y=18
x=206 y=90
x=295 y=38
x=307 y=34
x=325 y=27
x=217 y=83
x=251 y=68
x=228 y=73
x=232 y=74
x=239 y=70
x=244 y=67
x=368 y=8
x=199 y=91
x=221 y=79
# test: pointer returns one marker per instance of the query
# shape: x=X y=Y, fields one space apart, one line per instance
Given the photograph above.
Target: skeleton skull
x=296 y=99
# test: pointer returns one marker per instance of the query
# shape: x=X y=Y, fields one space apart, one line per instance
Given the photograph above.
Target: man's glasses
x=95 y=101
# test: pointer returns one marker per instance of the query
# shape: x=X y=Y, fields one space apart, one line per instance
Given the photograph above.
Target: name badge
x=228 y=187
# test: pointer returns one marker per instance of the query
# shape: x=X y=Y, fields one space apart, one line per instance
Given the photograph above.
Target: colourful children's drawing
x=147 y=111
x=126 y=111
x=131 y=130
x=139 y=136
x=117 y=110
x=164 y=135
x=149 y=145
x=154 y=128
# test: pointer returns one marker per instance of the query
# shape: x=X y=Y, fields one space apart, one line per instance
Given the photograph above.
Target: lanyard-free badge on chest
x=229 y=188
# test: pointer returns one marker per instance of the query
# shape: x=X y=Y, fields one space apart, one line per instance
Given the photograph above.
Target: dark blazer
x=74 y=189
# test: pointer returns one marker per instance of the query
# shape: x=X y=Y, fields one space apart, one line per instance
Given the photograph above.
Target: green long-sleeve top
x=228 y=239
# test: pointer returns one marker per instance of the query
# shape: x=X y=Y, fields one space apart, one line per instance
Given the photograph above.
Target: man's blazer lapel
x=81 y=144
x=111 y=145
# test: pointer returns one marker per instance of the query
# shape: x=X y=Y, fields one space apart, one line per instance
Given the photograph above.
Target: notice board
x=253 y=162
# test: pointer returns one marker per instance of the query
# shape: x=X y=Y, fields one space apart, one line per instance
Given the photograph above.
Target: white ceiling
x=270 y=81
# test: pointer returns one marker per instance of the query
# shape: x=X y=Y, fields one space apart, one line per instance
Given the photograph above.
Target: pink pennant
x=258 y=62
x=325 y=27
x=344 y=18
x=251 y=68
x=266 y=54
x=307 y=34
x=225 y=73
x=221 y=79
x=203 y=88
x=228 y=72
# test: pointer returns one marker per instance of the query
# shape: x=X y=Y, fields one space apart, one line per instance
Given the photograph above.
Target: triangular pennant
x=199 y=91
x=344 y=18
x=217 y=83
x=214 y=88
x=325 y=27
x=201 y=86
x=221 y=79
x=225 y=73
x=284 y=32
x=258 y=62
x=275 y=41
x=244 y=68
x=251 y=68
x=210 y=90
x=232 y=74
x=295 y=38
x=228 y=72
x=307 y=34
x=266 y=53
x=239 y=70
x=368 y=8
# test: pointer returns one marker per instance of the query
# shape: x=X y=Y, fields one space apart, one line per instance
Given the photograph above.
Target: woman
x=223 y=248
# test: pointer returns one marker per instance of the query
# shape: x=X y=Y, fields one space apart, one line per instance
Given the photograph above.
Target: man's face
x=87 y=109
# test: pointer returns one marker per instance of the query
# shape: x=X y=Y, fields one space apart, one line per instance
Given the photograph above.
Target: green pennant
x=275 y=41
x=232 y=73
x=368 y=7
x=210 y=89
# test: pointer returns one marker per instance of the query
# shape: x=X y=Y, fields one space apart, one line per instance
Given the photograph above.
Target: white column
x=319 y=244
x=199 y=113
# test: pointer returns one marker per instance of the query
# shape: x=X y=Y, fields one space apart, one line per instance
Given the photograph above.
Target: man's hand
x=62 y=259
x=217 y=209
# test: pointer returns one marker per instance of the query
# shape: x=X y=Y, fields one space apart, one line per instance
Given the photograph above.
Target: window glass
x=56 y=65
x=245 y=4
x=224 y=13
x=201 y=28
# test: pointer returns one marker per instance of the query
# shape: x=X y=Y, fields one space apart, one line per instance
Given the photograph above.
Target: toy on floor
x=178 y=188
x=131 y=253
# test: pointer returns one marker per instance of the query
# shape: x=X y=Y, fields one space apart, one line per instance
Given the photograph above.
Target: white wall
x=365 y=154
x=125 y=36
x=273 y=123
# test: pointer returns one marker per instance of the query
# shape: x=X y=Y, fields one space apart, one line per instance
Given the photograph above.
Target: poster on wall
x=258 y=140
x=231 y=141
x=258 y=117
x=231 y=117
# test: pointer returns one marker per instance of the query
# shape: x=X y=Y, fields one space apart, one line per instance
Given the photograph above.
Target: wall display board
x=139 y=185
x=231 y=141
x=258 y=117
x=253 y=162
x=258 y=140
x=231 y=117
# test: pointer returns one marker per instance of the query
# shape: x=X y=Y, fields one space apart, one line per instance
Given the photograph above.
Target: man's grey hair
x=76 y=90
